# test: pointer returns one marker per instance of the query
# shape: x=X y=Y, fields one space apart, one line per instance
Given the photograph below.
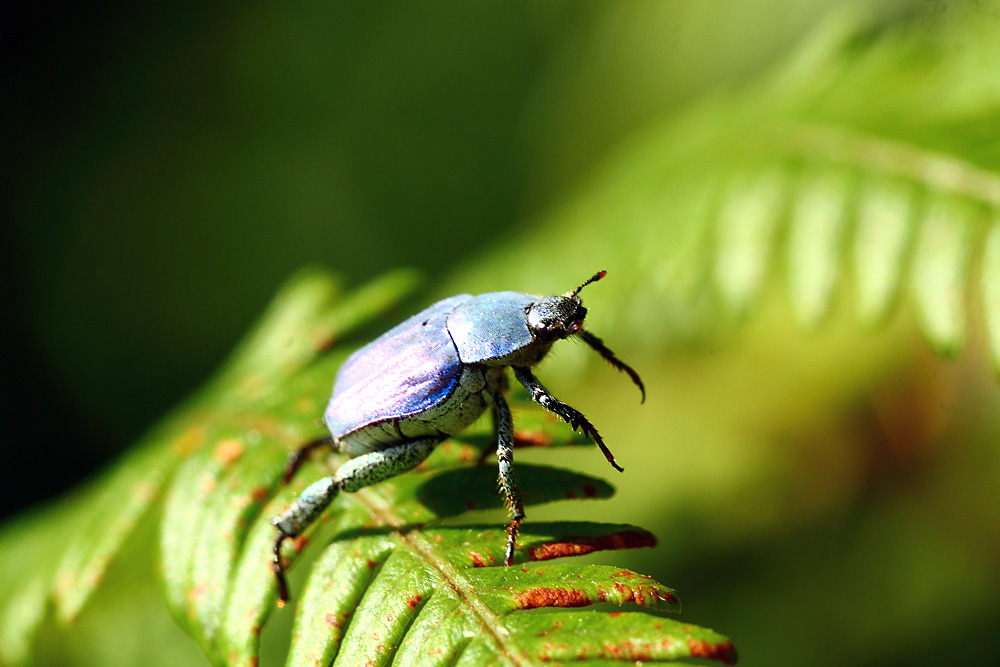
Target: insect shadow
x=454 y=491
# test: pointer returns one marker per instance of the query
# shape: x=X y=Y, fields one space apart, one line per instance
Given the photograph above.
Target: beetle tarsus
x=608 y=455
x=279 y=570
x=512 y=529
x=598 y=345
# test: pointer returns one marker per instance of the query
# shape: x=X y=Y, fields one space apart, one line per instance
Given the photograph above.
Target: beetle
x=429 y=378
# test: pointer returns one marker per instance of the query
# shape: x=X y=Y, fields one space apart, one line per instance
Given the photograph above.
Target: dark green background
x=168 y=167
x=823 y=496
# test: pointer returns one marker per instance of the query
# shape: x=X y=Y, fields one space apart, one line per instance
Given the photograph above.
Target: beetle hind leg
x=357 y=473
x=303 y=512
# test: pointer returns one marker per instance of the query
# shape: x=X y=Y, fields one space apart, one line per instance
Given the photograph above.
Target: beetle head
x=556 y=317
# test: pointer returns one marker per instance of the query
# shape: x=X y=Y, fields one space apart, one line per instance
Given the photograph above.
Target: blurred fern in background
x=797 y=204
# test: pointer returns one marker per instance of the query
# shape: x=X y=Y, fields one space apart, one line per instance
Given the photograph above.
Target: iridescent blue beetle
x=431 y=377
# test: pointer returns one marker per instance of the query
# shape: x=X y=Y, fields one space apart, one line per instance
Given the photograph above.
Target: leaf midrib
x=934 y=169
x=492 y=624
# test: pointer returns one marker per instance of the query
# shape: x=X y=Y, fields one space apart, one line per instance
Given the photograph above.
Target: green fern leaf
x=818 y=216
x=940 y=266
x=881 y=244
x=991 y=291
x=393 y=580
x=748 y=221
x=834 y=168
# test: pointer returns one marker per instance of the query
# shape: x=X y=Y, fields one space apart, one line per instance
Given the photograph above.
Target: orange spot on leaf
x=144 y=491
x=229 y=451
x=722 y=651
x=531 y=439
x=558 y=624
x=643 y=595
x=577 y=546
x=206 y=484
x=536 y=598
x=188 y=441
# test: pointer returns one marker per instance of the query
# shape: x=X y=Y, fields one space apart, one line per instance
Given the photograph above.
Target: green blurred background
x=825 y=494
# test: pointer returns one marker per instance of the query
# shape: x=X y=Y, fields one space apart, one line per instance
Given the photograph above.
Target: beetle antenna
x=599 y=347
x=593 y=279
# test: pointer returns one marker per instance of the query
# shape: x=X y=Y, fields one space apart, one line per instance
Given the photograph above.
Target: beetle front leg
x=357 y=473
x=573 y=417
x=504 y=426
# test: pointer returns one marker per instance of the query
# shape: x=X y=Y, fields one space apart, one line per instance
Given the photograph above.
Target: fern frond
x=392 y=584
x=874 y=181
x=921 y=239
x=868 y=159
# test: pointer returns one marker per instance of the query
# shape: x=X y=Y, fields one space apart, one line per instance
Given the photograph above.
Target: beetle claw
x=512 y=530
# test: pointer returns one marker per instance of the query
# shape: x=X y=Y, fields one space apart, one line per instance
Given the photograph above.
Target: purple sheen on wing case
x=491 y=325
x=408 y=369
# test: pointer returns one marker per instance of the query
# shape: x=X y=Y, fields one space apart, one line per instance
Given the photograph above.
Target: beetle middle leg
x=504 y=426
x=357 y=473
x=573 y=417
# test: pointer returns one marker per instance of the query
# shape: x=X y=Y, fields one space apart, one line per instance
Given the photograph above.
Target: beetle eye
x=547 y=333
